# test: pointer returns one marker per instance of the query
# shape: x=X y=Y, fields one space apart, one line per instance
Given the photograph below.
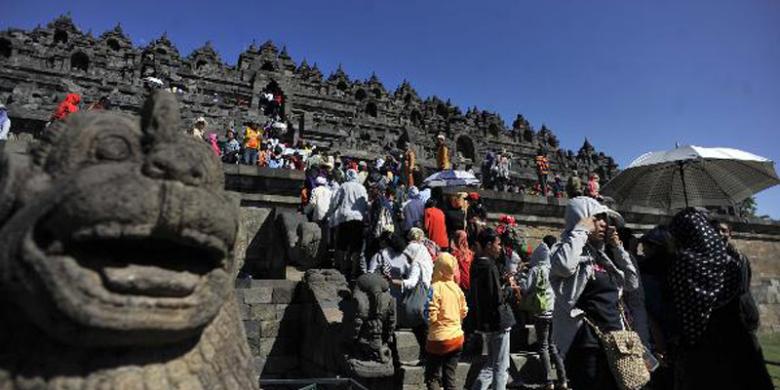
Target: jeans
x=441 y=367
x=548 y=349
x=250 y=156
x=496 y=368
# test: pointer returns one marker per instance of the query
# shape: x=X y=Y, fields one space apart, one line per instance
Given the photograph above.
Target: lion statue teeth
x=116 y=263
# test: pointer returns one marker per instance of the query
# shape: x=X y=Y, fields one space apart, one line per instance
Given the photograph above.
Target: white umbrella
x=692 y=176
x=451 y=178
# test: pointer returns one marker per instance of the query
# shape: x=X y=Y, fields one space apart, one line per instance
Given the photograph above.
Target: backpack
x=384 y=222
x=541 y=300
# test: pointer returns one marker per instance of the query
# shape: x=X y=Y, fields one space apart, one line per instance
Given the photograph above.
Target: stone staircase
x=525 y=366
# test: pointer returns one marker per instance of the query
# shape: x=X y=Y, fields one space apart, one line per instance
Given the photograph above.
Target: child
x=539 y=299
x=231 y=148
x=446 y=310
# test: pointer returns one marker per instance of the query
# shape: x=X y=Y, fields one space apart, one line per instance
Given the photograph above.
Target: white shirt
x=320 y=198
x=5 y=129
x=422 y=266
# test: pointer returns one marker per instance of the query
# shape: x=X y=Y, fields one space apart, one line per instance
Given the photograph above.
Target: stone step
x=414 y=376
x=525 y=372
x=526 y=368
x=407 y=347
x=522 y=339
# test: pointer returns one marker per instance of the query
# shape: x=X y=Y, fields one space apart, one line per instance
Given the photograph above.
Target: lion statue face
x=117 y=233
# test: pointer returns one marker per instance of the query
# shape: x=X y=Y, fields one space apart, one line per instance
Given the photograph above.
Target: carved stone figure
x=369 y=322
x=303 y=239
x=116 y=265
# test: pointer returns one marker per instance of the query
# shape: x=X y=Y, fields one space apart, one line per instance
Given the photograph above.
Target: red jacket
x=66 y=107
x=435 y=227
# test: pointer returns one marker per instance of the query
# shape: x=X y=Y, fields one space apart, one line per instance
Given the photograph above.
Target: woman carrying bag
x=588 y=286
x=414 y=291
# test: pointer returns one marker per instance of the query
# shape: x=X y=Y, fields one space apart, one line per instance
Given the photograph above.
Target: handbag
x=413 y=306
x=625 y=355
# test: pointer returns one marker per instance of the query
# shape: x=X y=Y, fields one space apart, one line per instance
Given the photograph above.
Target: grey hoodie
x=540 y=268
x=571 y=266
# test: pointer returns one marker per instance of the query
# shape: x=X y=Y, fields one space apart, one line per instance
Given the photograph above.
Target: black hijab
x=702 y=276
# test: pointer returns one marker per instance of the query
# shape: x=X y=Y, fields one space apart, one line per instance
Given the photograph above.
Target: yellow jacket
x=253 y=138
x=447 y=307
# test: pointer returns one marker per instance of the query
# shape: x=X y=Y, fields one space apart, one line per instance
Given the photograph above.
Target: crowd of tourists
x=261 y=144
x=256 y=145
x=595 y=293
x=679 y=293
x=496 y=175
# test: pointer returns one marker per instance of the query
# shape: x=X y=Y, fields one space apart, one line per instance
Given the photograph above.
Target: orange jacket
x=66 y=107
x=435 y=227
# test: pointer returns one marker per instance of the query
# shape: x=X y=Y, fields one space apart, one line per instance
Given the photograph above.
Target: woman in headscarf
x=420 y=271
x=418 y=235
x=446 y=310
x=213 y=143
x=588 y=283
x=716 y=349
x=465 y=256
x=537 y=289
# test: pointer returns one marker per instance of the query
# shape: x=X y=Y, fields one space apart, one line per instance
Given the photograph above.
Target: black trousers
x=441 y=367
x=421 y=335
x=548 y=352
x=587 y=369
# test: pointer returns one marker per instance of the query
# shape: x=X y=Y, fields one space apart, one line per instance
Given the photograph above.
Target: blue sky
x=632 y=76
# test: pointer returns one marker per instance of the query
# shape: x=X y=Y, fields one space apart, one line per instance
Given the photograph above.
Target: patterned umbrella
x=451 y=178
x=692 y=176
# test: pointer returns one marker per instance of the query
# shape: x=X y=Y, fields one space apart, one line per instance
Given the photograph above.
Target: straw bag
x=625 y=355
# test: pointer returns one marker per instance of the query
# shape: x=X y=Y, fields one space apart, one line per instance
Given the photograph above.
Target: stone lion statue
x=116 y=265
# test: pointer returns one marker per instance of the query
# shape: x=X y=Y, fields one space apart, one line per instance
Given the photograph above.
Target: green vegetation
x=771 y=346
x=748 y=207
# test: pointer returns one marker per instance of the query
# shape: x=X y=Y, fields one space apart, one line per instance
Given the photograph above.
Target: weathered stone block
x=413 y=377
x=262 y=312
x=529 y=368
x=268 y=329
x=243 y=311
x=259 y=364
x=252 y=329
x=255 y=348
x=258 y=295
x=283 y=293
x=407 y=346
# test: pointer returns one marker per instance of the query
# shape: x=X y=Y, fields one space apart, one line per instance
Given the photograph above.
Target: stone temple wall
x=358 y=118
x=272 y=320
x=763 y=250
